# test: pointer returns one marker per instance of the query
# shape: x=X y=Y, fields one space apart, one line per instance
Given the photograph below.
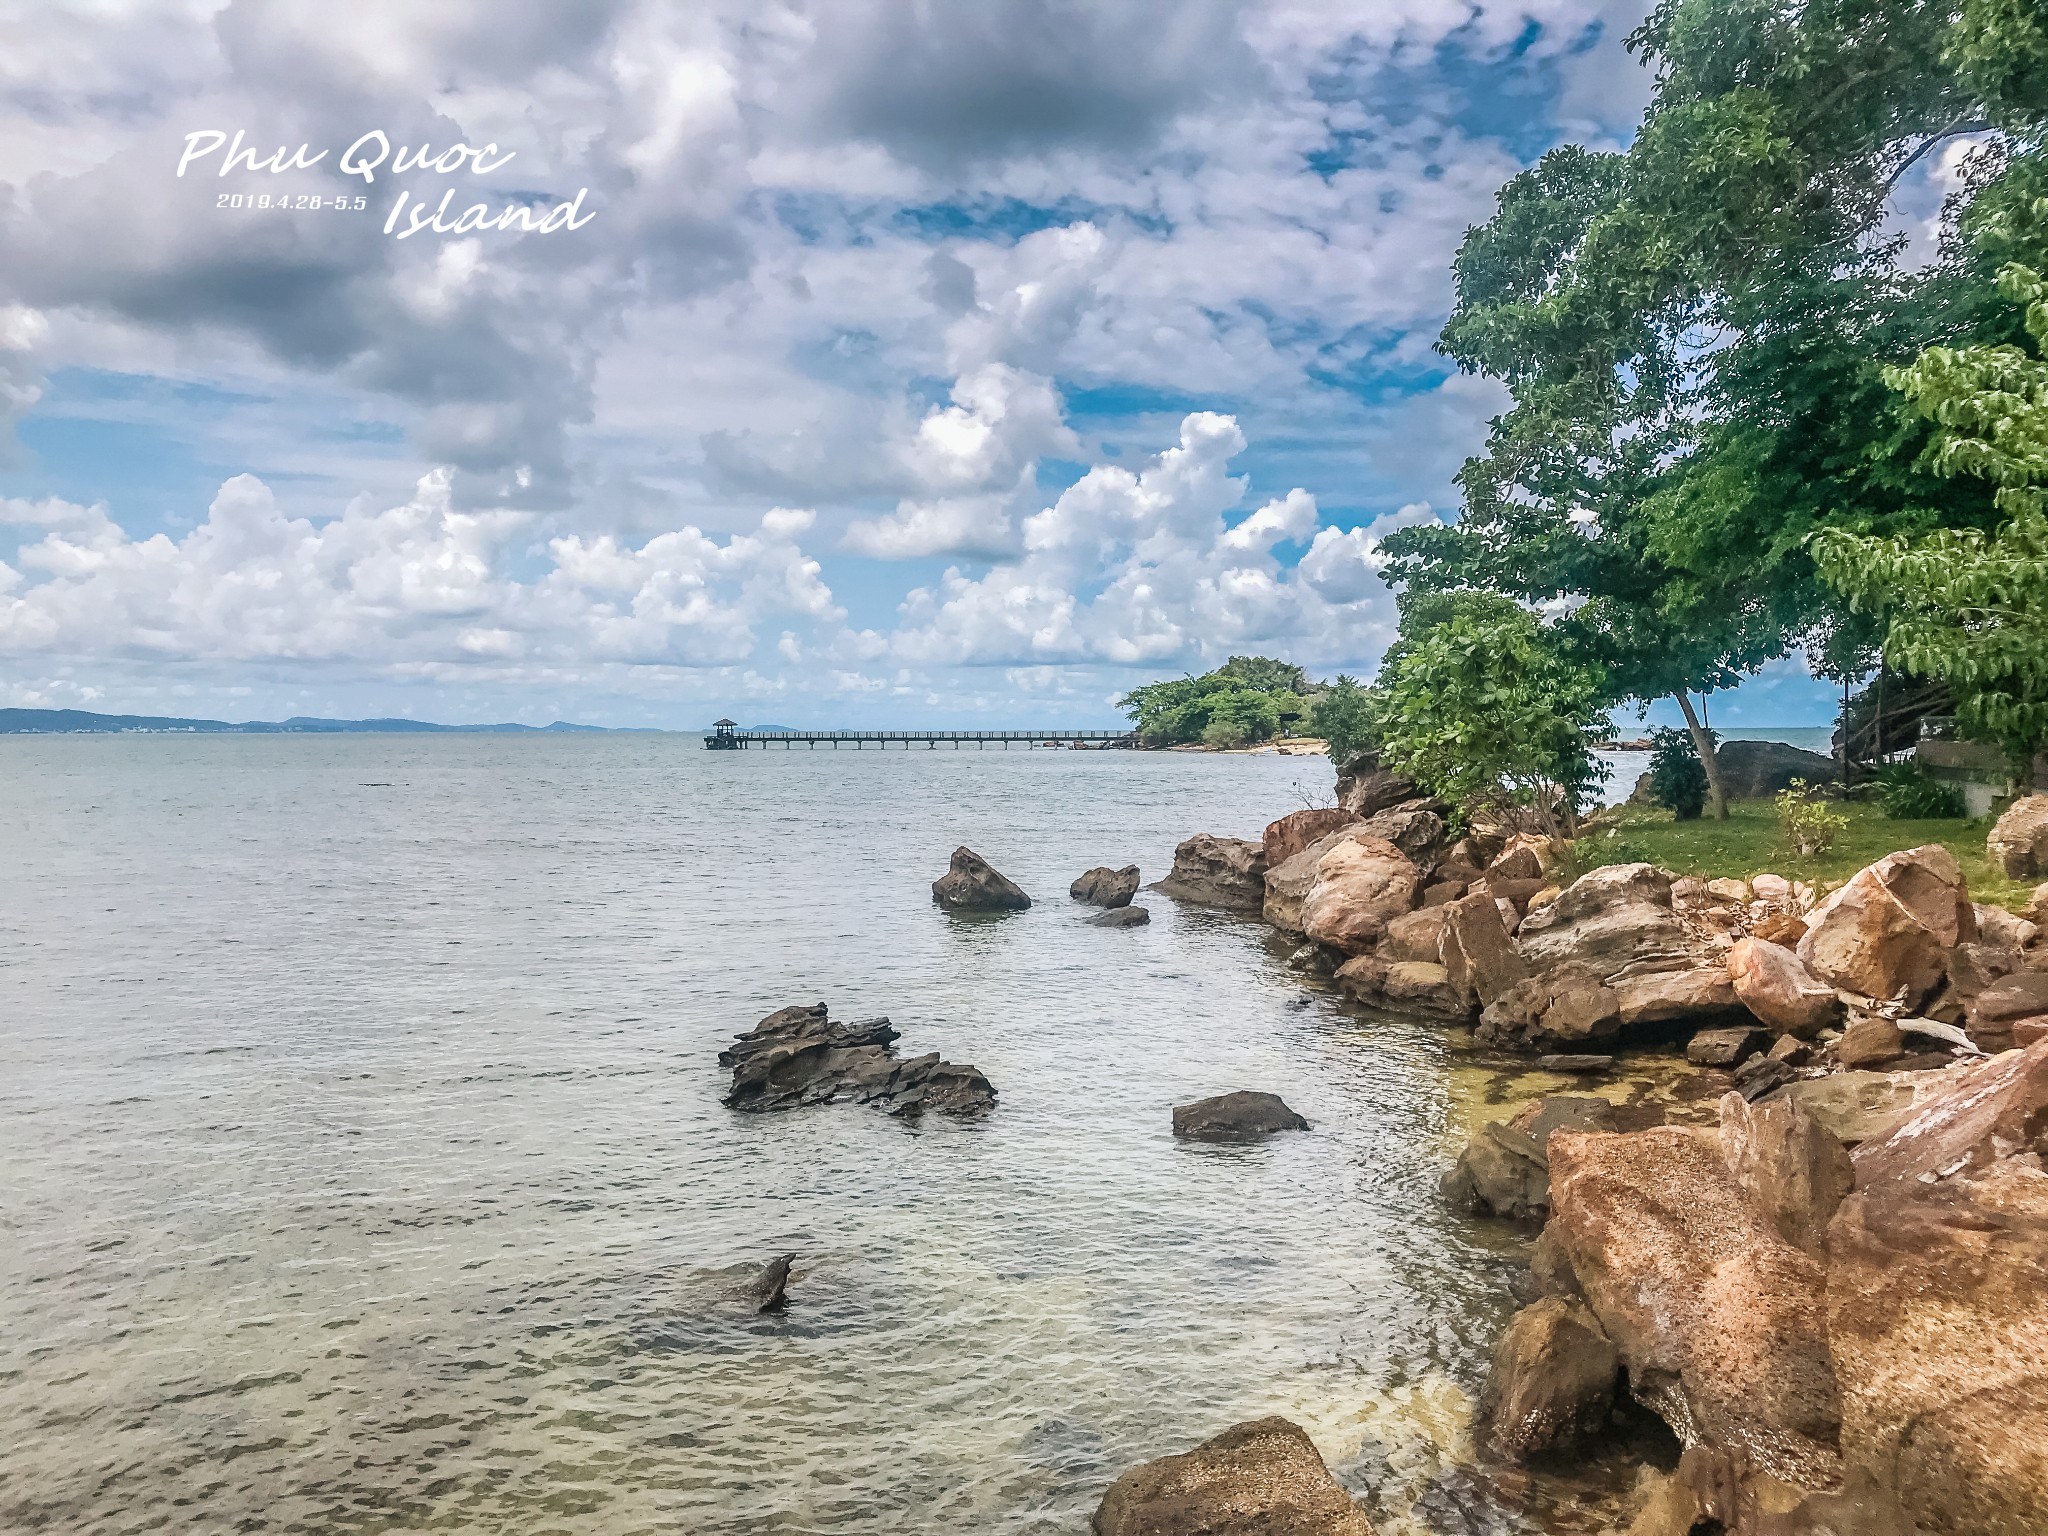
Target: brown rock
x=1295 y=831
x=1105 y=887
x=972 y=884
x=2037 y=909
x=1887 y=932
x=1417 y=935
x=1869 y=1041
x=1791 y=1050
x=1855 y=1106
x=1403 y=986
x=1517 y=862
x=1728 y=892
x=1415 y=828
x=1761 y=1074
x=1790 y=1166
x=1725 y=1047
x=1289 y=882
x=1994 y=1012
x=1480 y=959
x=1701 y=993
x=1552 y=1382
x=1718 y=1319
x=1550 y=1267
x=2018 y=844
x=2003 y=929
x=1936 y=1308
x=1784 y=928
x=1505 y=1168
x=1516 y=892
x=1441 y=893
x=1218 y=872
x=1361 y=885
x=1365 y=788
x=1263 y=1478
x=1559 y=1010
x=1611 y=918
x=1667 y=1507
x=1771 y=983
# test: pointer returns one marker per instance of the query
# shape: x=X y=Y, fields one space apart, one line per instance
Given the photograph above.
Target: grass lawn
x=1749 y=843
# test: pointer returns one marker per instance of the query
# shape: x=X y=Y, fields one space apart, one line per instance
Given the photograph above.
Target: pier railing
x=734 y=739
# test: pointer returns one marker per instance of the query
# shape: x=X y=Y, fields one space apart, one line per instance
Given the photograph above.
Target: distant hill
x=19 y=722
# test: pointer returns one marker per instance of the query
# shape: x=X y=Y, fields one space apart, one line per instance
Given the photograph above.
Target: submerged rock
x=972 y=884
x=1232 y=1115
x=1553 y=1379
x=1217 y=872
x=1121 y=917
x=767 y=1291
x=1264 y=1478
x=797 y=1056
x=1106 y=887
x=1505 y=1168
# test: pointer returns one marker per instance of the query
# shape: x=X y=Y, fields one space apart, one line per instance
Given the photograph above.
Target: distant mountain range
x=18 y=722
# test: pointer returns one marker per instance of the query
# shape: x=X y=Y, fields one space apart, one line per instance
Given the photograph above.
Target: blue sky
x=915 y=364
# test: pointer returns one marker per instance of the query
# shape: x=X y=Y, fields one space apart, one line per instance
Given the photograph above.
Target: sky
x=873 y=361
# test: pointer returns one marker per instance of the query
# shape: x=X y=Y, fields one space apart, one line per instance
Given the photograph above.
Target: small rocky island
x=798 y=1056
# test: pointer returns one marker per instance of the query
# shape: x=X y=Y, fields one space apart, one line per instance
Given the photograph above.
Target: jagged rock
x=1936 y=1311
x=1888 y=931
x=767 y=1291
x=1518 y=861
x=1403 y=986
x=1995 y=1011
x=2037 y=908
x=1792 y=1168
x=1718 y=1319
x=1552 y=1381
x=1761 y=1074
x=1781 y=928
x=1415 y=828
x=1725 y=1047
x=1505 y=1168
x=1417 y=935
x=1791 y=1050
x=1869 y=1041
x=1263 y=1478
x=972 y=884
x=1516 y=893
x=1106 y=887
x=1218 y=872
x=1615 y=917
x=1479 y=959
x=1361 y=884
x=1756 y=770
x=1364 y=788
x=1229 y=1116
x=1771 y=983
x=1295 y=831
x=2018 y=843
x=797 y=1056
x=1557 y=1010
x=2003 y=929
x=1121 y=917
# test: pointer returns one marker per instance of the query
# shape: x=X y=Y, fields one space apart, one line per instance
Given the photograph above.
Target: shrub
x=1678 y=780
x=1909 y=793
x=1810 y=825
x=1224 y=733
x=1339 y=717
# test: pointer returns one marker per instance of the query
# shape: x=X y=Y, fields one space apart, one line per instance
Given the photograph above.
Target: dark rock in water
x=1121 y=917
x=972 y=884
x=766 y=1291
x=797 y=1056
x=1231 y=1115
x=1726 y=1047
x=1574 y=1064
x=1264 y=1478
x=1553 y=1379
x=1756 y=770
x=1105 y=887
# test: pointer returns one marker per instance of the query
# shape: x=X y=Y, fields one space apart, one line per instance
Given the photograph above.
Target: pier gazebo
x=721 y=738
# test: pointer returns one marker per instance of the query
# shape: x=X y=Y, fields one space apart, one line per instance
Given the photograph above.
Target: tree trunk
x=1703 y=744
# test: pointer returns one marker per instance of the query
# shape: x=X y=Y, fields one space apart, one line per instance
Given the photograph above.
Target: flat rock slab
x=1234 y=1116
x=1264 y=1478
x=1726 y=1047
x=1575 y=1064
x=798 y=1056
x=1121 y=917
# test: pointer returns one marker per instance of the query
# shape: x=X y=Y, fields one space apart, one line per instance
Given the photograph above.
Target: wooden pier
x=725 y=736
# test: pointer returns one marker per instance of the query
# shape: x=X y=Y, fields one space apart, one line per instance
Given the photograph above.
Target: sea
x=365 y=1168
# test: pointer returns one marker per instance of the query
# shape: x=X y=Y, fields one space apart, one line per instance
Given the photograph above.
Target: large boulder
x=1234 y=1116
x=1610 y=918
x=1701 y=994
x=1289 y=882
x=1417 y=935
x=1994 y=1011
x=2018 y=843
x=972 y=884
x=798 y=1056
x=1416 y=828
x=1106 y=887
x=1856 y=1106
x=1264 y=1478
x=1420 y=988
x=1218 y=872
x=1559 y=1010
x=1505 y=1168
x=1937 y=1312
x=1478 y=957
x=1361 y=884
x=1296 y=830
x=1793 y=1169
x=1772 y=983
x=1888 y=931
x=1719 y=1320
x=1552 y=1382
x=1756 y=770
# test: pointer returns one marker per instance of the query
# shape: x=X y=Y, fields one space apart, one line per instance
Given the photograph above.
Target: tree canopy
x=1247 y=699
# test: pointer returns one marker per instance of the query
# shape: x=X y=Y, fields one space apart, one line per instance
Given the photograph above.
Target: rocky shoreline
x=1827 y=1274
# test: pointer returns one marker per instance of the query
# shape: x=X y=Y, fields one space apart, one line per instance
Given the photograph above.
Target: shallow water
x=365 y=1169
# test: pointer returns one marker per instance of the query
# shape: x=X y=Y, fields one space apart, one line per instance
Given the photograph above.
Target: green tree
x=1677 y=780
x=1254 y=696
x=1967 y=607
x=1340 y=717
x=1693 y=332
x=1480 y=705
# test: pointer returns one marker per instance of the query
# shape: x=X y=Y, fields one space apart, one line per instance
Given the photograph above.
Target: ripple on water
x=367 y=1173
